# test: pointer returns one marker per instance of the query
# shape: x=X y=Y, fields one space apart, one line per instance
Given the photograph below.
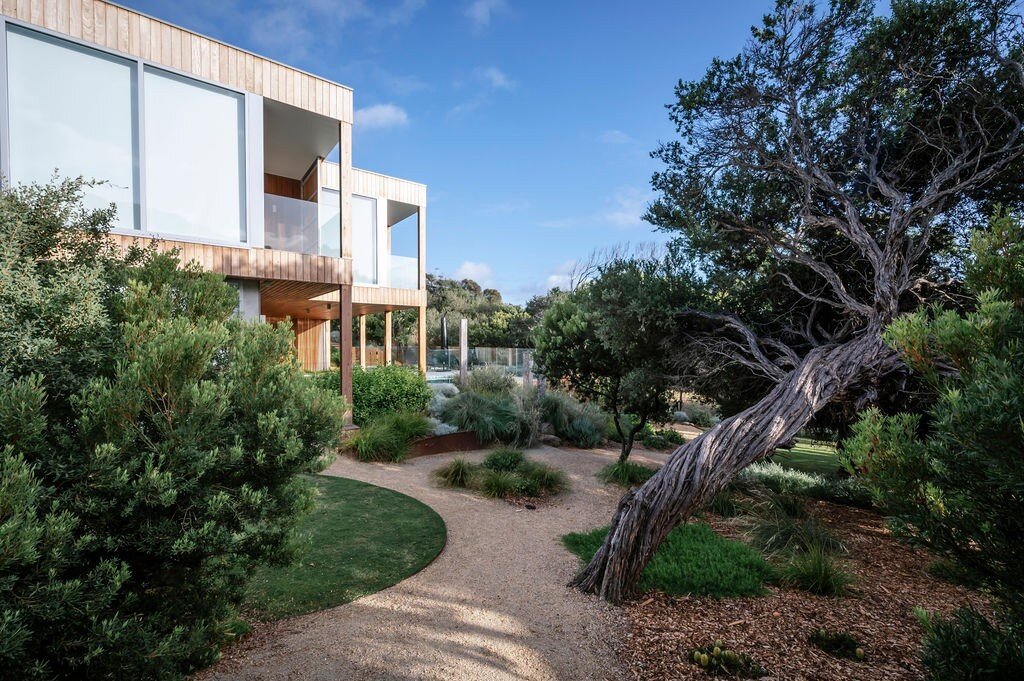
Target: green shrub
x=664 y=438
x=838 y=643
x=582 y=432
x=491 y=418
x=788 y=504
x=387 y=437
x=717 y=660
x=488 y=381
x=151 y=446
x=728 y=504
x=968 y=646
x=625 y=473
x=700 y=414
x=524 y=429
x=504 y=460
x=381 y=390
x=544 y=479
x=457 y=473
x=816 y=570
x=693 y=559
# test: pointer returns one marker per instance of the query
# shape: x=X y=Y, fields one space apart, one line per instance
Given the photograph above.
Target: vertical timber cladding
x=158 y=42
x=313 y=344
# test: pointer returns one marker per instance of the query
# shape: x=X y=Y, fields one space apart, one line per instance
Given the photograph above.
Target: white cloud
x=481 y=12
x=624 y=209
x=562 y=275
x=480 y=272
x=615 y=137
x=495 y=77
x=381 y=116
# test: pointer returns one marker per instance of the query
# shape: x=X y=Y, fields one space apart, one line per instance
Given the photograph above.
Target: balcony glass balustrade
x=301 y=226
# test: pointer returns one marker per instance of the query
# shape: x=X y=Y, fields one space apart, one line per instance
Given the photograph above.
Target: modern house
x=219 y=153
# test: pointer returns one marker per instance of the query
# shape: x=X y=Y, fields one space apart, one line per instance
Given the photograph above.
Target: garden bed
x=462 y=441
x=891 y=579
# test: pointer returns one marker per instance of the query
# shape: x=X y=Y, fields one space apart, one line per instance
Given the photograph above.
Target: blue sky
x=530 y=122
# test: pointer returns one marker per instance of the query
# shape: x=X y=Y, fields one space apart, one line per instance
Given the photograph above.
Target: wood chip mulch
x=774 y=629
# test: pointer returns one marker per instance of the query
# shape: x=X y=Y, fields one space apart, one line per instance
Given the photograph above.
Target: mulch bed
x=773 y=629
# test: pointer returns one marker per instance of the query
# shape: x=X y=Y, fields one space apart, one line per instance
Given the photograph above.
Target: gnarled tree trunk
x=697 y=470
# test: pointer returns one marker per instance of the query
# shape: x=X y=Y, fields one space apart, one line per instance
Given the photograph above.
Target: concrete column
x=464 y=350
x=362 y=341
x=387 y=338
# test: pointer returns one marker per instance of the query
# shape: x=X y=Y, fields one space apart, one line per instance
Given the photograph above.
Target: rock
x=550 y=440
x=531 y=507
x=547 y=429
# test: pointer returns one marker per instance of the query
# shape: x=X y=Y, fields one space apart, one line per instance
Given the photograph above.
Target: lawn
x=362 y=538
x=809 y=456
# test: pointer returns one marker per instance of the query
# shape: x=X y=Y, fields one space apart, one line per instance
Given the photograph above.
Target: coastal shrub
x=387 y=437
x=625 y=473
x=504 y=460
x=490 y=417
x=693 y=559
x=152 y=443
x=663 y=438
x=773 y=530
x=781 y=480
x=966 y=645
x=381 y=390
x=457 y=473
x=700 y=414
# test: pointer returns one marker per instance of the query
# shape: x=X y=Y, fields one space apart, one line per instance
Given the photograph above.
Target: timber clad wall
x=251 y=263
x=121 y=29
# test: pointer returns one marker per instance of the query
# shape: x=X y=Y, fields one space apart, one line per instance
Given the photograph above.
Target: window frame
x=141 y=64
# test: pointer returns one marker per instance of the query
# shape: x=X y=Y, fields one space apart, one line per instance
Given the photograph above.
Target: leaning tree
x=832 y=163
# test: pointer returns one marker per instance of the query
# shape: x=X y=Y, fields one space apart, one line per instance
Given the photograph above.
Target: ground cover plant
x=359 y=539
x=152 y=443
x=694 y=559
x=387 y=437
x=579 y=423
x=504 y=474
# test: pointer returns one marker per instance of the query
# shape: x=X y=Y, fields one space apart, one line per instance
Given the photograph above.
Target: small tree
x=150 y=446
x=954 y=479
x=605 y=341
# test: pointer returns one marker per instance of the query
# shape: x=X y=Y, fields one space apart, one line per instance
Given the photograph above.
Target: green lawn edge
x=362 y=538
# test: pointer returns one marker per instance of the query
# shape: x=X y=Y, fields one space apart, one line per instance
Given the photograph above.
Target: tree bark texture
x=699 y=469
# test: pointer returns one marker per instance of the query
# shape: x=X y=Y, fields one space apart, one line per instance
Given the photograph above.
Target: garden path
x=494 y=604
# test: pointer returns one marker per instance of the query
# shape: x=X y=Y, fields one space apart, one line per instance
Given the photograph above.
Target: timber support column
x=387 y=338
x=463 y=351
x=345 y=351
x=421 y=337
x=362 y=341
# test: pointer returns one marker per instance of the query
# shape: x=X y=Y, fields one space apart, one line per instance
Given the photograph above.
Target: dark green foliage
x=505 y=473
x=954 y=573
x=700 y=414
x=577 y=422
x=504 y=460
x=360 y=539
x=838 y=643
x=967 y=647
x=489 y=417
x=728 y=504
x=605 y=342
x=492 y=322
x=952 y=478
x=387 y=437
x=152 y=443
x=717 y=660
x=693 y=559
x=381 y=390
x=815 y=569
x=625 y=473
x=457 y=473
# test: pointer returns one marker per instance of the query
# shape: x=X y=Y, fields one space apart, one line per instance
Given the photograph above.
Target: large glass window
x=364 y=240
x=195 y=158
x=72 y=110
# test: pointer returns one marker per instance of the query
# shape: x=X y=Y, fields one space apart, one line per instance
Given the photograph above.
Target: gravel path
x=492 y=606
